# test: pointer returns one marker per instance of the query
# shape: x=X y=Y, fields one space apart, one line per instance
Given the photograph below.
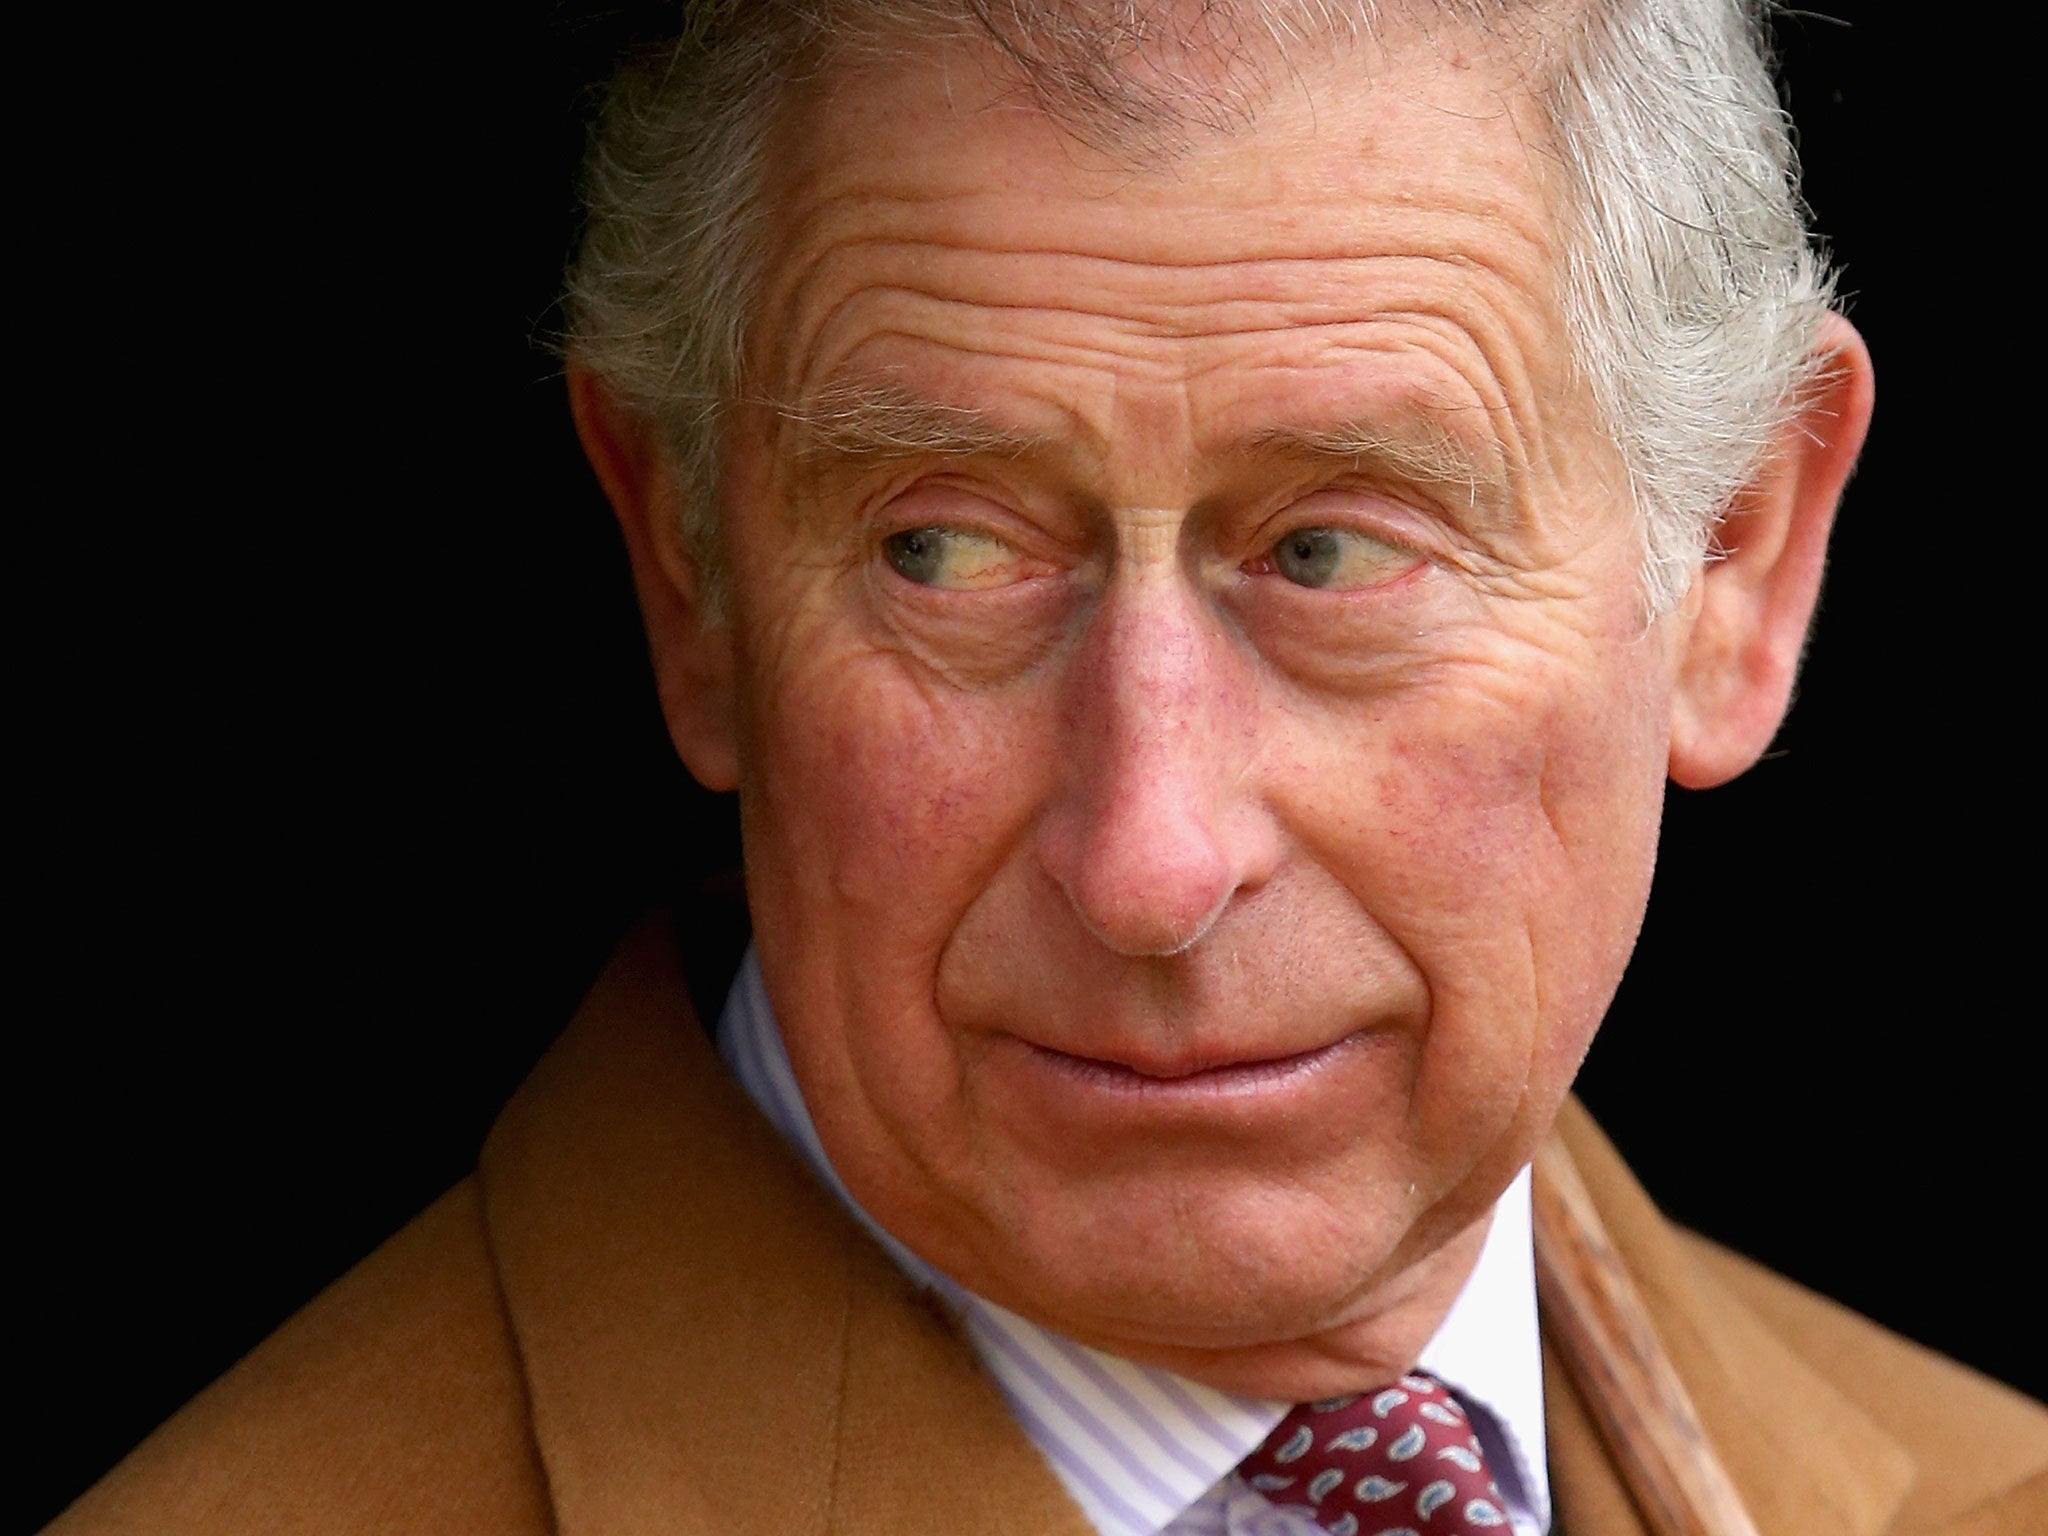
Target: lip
x=1197 y=1079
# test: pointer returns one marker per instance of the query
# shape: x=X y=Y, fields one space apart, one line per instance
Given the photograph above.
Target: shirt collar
x=1136 y=1445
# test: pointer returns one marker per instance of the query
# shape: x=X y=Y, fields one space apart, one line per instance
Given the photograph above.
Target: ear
x=1750 y=609
x=693 y=663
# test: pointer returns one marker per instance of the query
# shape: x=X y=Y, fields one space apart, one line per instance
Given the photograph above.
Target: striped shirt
x=1145 y=1452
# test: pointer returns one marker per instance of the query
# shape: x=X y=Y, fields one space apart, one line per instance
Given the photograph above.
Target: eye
x=1339 y=559
x=952 y=558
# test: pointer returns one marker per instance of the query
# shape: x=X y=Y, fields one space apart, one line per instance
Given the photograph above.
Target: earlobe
x=693 y=664
x=1749 y=608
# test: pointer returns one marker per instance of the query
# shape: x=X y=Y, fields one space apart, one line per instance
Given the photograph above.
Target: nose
x=1157 y=824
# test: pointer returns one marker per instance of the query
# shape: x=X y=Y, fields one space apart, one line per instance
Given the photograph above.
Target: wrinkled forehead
x=943 y=153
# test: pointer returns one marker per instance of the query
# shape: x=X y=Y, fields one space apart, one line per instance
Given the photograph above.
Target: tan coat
x=641 y=1304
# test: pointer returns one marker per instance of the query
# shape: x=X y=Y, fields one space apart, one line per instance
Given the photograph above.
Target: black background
x=344 y=768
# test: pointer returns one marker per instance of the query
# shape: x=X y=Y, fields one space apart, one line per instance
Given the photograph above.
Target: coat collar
x=1804 y=1457
x=710 y=1343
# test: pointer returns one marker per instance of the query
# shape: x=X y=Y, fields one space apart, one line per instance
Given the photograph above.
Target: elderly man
x=1197 y=532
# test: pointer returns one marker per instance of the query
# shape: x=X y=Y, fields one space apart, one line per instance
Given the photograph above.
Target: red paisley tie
x=1402 y=1461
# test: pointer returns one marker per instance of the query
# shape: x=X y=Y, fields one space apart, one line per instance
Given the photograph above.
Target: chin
x=1273 y=1325
x=1196 y=1268
x=1327 y=1281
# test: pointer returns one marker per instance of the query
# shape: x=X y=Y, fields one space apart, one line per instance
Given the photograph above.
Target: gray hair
x=1692 y=296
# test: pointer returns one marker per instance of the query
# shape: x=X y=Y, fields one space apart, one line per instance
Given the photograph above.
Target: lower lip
x=1235 y=1083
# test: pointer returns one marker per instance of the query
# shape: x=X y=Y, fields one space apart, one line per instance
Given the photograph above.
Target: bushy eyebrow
x=880 y=421
x=1413 y=450
x=865 y=419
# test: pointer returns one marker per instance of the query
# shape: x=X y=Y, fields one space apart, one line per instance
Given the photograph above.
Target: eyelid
x=989 y=511
x=1369 y=514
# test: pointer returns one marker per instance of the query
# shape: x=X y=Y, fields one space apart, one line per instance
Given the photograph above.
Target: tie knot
x=1402 y=1461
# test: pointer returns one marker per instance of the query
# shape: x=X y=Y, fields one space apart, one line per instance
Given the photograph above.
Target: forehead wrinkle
x=1152 y=287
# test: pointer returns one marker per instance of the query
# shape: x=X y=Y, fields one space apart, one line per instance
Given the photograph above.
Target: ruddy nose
x=1157 y=825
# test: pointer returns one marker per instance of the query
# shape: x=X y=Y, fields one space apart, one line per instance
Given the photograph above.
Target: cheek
x=874 y=813
x=1501 y=824
x=875 y=800
x=1501 y=773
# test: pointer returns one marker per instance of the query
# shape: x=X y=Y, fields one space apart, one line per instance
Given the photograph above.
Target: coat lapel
x=709 y=1343
x=1807 y=1461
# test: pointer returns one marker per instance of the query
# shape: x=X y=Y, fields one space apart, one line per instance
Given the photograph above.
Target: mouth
x=1193 y=1076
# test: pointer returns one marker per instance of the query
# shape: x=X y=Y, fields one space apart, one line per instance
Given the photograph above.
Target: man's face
x=1200 y=743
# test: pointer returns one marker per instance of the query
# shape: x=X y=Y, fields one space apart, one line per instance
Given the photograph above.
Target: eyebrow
x=871 y=420
x=1414 y=449
x=879 y=421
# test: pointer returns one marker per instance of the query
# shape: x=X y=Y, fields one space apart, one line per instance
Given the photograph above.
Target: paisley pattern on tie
x=1400 y=1462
